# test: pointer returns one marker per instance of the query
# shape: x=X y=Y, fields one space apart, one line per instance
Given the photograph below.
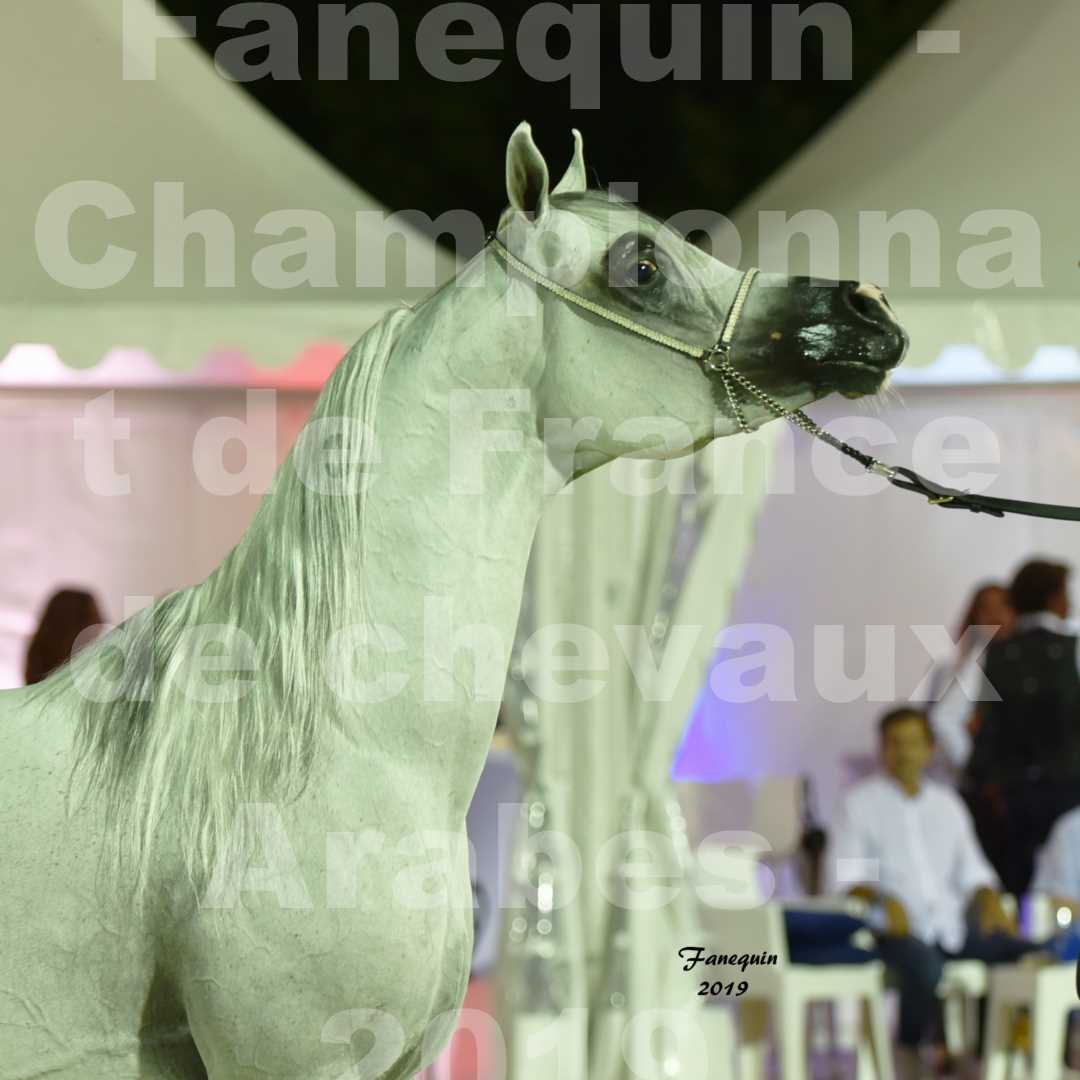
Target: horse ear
x=526 y=174
x=574 y=180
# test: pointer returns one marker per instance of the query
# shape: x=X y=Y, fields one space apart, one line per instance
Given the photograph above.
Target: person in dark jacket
x=1024 y=769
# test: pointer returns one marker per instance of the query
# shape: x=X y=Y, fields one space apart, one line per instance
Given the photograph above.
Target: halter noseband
x=716 y=359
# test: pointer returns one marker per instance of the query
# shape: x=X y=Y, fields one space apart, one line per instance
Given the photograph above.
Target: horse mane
x=165 y=761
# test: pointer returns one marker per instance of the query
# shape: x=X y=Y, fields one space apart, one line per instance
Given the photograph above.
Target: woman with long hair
x=67 y=615
x=951 y=706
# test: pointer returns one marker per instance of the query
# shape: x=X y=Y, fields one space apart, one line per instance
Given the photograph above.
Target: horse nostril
x=867 y=301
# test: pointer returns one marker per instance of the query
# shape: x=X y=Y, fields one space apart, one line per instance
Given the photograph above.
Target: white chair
x=718 y=1029
x=963 y=984
x=736 y=918
x=1049 y=993
x=783 y=993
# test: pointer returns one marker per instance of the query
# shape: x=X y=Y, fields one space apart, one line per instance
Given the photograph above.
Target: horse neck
x=437 y=571
x=446 y=547
x=441 y=527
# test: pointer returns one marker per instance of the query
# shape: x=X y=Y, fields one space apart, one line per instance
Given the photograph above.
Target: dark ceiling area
x=418 y=142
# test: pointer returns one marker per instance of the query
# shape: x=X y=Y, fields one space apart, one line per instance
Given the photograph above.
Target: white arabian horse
x=259 y=872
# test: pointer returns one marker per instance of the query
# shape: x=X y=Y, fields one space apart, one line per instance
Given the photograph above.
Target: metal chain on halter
x=729 y=374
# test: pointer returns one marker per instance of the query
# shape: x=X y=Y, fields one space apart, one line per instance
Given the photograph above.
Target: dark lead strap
x=909 y=480
x=903 y=478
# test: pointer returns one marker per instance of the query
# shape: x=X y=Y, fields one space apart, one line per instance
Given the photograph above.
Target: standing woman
x=951 y=709
x=67 y=615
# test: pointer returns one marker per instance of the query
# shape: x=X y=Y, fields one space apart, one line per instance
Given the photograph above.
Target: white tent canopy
x=71 y=116
x=992 y=127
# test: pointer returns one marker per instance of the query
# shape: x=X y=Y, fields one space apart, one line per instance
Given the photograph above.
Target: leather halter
x=716 y=360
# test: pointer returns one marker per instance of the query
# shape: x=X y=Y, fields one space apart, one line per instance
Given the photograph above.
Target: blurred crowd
x=976 y=805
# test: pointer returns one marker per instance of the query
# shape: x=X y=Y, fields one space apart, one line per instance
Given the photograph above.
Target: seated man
x=907 y=846
x=1057 y=868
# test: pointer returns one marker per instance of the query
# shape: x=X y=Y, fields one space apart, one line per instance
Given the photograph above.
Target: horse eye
x=646 y=270
x=633 y=262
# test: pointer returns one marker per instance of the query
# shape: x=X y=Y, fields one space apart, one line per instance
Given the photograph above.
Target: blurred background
x=977 y=117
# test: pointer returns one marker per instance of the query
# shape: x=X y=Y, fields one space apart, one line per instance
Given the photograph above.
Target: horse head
x=623 y=290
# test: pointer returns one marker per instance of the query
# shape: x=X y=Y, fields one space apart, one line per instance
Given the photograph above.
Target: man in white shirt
x=906 y=845
x=1057 y=868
